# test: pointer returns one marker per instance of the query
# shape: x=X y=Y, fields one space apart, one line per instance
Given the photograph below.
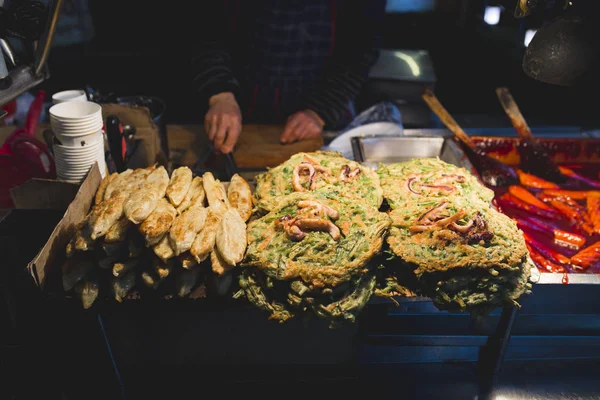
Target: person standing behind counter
x=298 y=62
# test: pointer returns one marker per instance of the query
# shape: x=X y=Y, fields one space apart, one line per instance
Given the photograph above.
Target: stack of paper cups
x=78 y=127
x=69 y=95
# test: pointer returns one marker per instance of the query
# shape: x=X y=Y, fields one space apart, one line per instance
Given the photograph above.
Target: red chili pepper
x=545 y=251
x=588 y=256
x=572 y=174
x=527 y=197
x=568 y=239
x=524 y=224
x=543 y=263
x=593 y=209
x=561 y=238
x=533 y=181
x=508 y=200
x=570 y=194
x=547 y=226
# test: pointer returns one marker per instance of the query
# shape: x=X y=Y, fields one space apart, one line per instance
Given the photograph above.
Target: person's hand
x=223 y=122
x=301 y=126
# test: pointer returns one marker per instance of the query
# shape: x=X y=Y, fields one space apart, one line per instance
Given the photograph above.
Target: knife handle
x=115 y=141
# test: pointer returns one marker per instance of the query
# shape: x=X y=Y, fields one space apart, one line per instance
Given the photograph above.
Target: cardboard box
x=52 y=255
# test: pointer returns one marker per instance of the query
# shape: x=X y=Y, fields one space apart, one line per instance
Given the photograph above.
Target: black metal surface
x=491 y=356
x=49 y=348
x=565 y=51
x=169 y=348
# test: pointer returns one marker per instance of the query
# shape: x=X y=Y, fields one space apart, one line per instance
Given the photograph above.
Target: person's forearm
x=222 y=96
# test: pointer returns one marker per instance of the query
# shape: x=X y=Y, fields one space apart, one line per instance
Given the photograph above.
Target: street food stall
x=152 y=257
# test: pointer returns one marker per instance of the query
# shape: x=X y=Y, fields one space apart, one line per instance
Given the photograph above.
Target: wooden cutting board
x=259 y=147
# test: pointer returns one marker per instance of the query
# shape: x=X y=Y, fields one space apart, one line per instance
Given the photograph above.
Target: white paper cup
x=69 y=95
x=72 y=111
x=83 y=155
x=78 y=175
x=79 y=130
x=70 y=140
x=73 y=173
x=76 y=122
x=60 y=125
x=79 y=167
x=77 y=162
x=70 y=174
x=63 y=153
x=92 y=141
x=84 y=140
x=97 y=116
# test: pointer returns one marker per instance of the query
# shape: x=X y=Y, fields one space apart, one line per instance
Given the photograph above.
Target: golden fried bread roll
x=181 y=180
x=194 y=196
x=104 y=215
x=205 y=240
x=116 y=182
x=142 y=202
x=158 y=222
x=103 y=185
x=118 y=231
x=185 y=227
x=219 y=265
x=231 y=237
x=239 y=195
x=215 y=193
x=163 y=249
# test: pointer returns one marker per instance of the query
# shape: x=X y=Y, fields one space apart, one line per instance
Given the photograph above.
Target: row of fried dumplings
x=183 y=218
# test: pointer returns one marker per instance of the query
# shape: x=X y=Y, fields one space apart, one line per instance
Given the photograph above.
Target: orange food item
x=533 y=181
x=571 y=194
x=593 y=209
x=568 y=239
x=588 y=256
x=526 y=196
x=579 y=216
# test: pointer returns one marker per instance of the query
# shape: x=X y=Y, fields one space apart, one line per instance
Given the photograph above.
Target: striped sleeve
x=211 y=59
x=356 y=51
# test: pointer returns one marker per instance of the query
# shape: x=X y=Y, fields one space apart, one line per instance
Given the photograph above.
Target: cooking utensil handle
x=35 y=110
x=115 y=141
x=512 y=111
x=439 y=110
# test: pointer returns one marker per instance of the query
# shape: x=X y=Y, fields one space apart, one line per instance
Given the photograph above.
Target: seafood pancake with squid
x=283 y=299
x=428 y=178
x=466 y=255
x=321 y=240
x=323 y=171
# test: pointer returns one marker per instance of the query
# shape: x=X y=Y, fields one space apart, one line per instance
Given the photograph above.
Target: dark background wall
x=142 y=47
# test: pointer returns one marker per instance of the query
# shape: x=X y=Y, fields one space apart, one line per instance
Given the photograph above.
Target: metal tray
x=374 y=150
